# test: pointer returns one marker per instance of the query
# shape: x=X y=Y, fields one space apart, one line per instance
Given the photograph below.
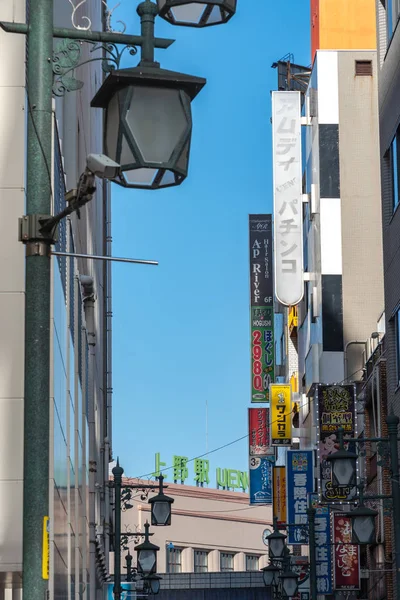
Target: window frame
x=176 y=566
x=250 y=558
x=225 y=555
x=200 y=568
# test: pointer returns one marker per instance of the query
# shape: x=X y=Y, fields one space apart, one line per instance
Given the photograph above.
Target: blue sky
x=181 y=330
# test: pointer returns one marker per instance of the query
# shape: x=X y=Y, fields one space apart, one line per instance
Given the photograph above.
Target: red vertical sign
x=259 y=432
x=347 y=555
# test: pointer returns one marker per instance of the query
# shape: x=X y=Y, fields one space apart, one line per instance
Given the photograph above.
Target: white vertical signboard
x=287 y=176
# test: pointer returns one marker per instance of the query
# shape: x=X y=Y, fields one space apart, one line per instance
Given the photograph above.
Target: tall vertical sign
x=279 y=494
x=281 y=414
x=347 y=555
x=259 y=444
x=300 y=484
x=260 y=479
x=287 y=177
x=336 y=405
x=323 y=553
x=261 y=307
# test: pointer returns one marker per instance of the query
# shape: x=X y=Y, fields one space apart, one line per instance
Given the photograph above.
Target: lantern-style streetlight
x=147 y=554
x=276 y=542
x=161 y=506
x=148 y=122
x=290 y=581
x=344 y=465
x=197 y=13
x=271 y=575
x=363 y=522
x=153 y=583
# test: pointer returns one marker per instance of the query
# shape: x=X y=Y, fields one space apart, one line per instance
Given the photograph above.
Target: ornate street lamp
x=289 y=583
x=148 y=121
x=271 y=575
x=344 y=465
x=276 y=542
x=153 y=583
x=161 y=506
x=147 y=554
x=197 y=13
x=363 y=522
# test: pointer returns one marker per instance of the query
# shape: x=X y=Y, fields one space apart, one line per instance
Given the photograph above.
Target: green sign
x=229 y=479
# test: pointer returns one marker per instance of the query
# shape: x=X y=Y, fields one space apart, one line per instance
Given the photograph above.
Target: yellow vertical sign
x=279 y=494
x=46 y=549
x=281 y=414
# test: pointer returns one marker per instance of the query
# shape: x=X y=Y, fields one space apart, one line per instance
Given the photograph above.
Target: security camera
x=102 y=166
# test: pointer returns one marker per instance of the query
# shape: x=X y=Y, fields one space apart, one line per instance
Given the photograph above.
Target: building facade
x=79 y=397
x=212 y=531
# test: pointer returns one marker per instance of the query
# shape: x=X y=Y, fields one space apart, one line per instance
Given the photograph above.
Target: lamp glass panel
x=155 y=585
x=184 y=158
x=147 y=560
x=127 y=157
x=289 y=586
x=364 y=528
x=112 y=128
x=269 y=577
x=188 y=13
x=140 y=176
x=168 y=178
x=161 y=4
x=157 y=121
x=215 y=16
x=161 y=510
x=276 y=547
x=344 y=471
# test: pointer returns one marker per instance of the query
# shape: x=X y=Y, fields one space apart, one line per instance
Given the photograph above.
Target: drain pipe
x=89 y=299
x=346 y=348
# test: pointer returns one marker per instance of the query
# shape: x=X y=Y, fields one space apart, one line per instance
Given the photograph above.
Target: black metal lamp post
x=276 y=542
x=146 y=554
x=148 y=124
x=161 y=506
x=197 y=13
x=344 y=465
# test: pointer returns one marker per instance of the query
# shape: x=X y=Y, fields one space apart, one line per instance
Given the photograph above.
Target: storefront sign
x=323 y=552
x=261 y=307
x=300 y=483
x=279 y=494
x=287 y=177
x=261 y=479
x=346 y=555
x=281 y=415
x=335 y=408
x=259 y=438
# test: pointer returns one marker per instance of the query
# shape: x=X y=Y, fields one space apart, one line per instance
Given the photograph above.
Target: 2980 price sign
x=262 y=352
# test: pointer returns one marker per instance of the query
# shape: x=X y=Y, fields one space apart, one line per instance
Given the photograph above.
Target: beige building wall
x=206 y=519
x=360 y=188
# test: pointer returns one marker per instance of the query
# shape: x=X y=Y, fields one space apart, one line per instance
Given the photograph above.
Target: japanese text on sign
x=347 y=555
x=281 y=412
x=259 y=432
x=288 y=233
x=323 y=548
x=299 y=486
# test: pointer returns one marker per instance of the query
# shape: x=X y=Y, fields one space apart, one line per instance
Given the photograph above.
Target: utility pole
x=37 y=298
x=392 y=425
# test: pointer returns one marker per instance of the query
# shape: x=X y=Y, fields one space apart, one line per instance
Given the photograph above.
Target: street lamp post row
x=131 y=98
x=161 y=506
x=278 y=573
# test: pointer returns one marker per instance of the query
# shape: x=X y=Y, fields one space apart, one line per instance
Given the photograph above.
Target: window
x=251 y=562
x=392 y=15
x=397 y=323
x=394 y=156
x=174 y=560
x=226 y=561
x=200 y=561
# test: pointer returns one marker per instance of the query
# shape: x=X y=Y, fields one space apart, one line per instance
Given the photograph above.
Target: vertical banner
x=347 y=555
x=261 y=479
x=261 y=307
x=281 y=414
x=300 y=484
x=323 y=553
x=259 y=444
x=287 y=176
x=336 y=405
x=279 y=494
